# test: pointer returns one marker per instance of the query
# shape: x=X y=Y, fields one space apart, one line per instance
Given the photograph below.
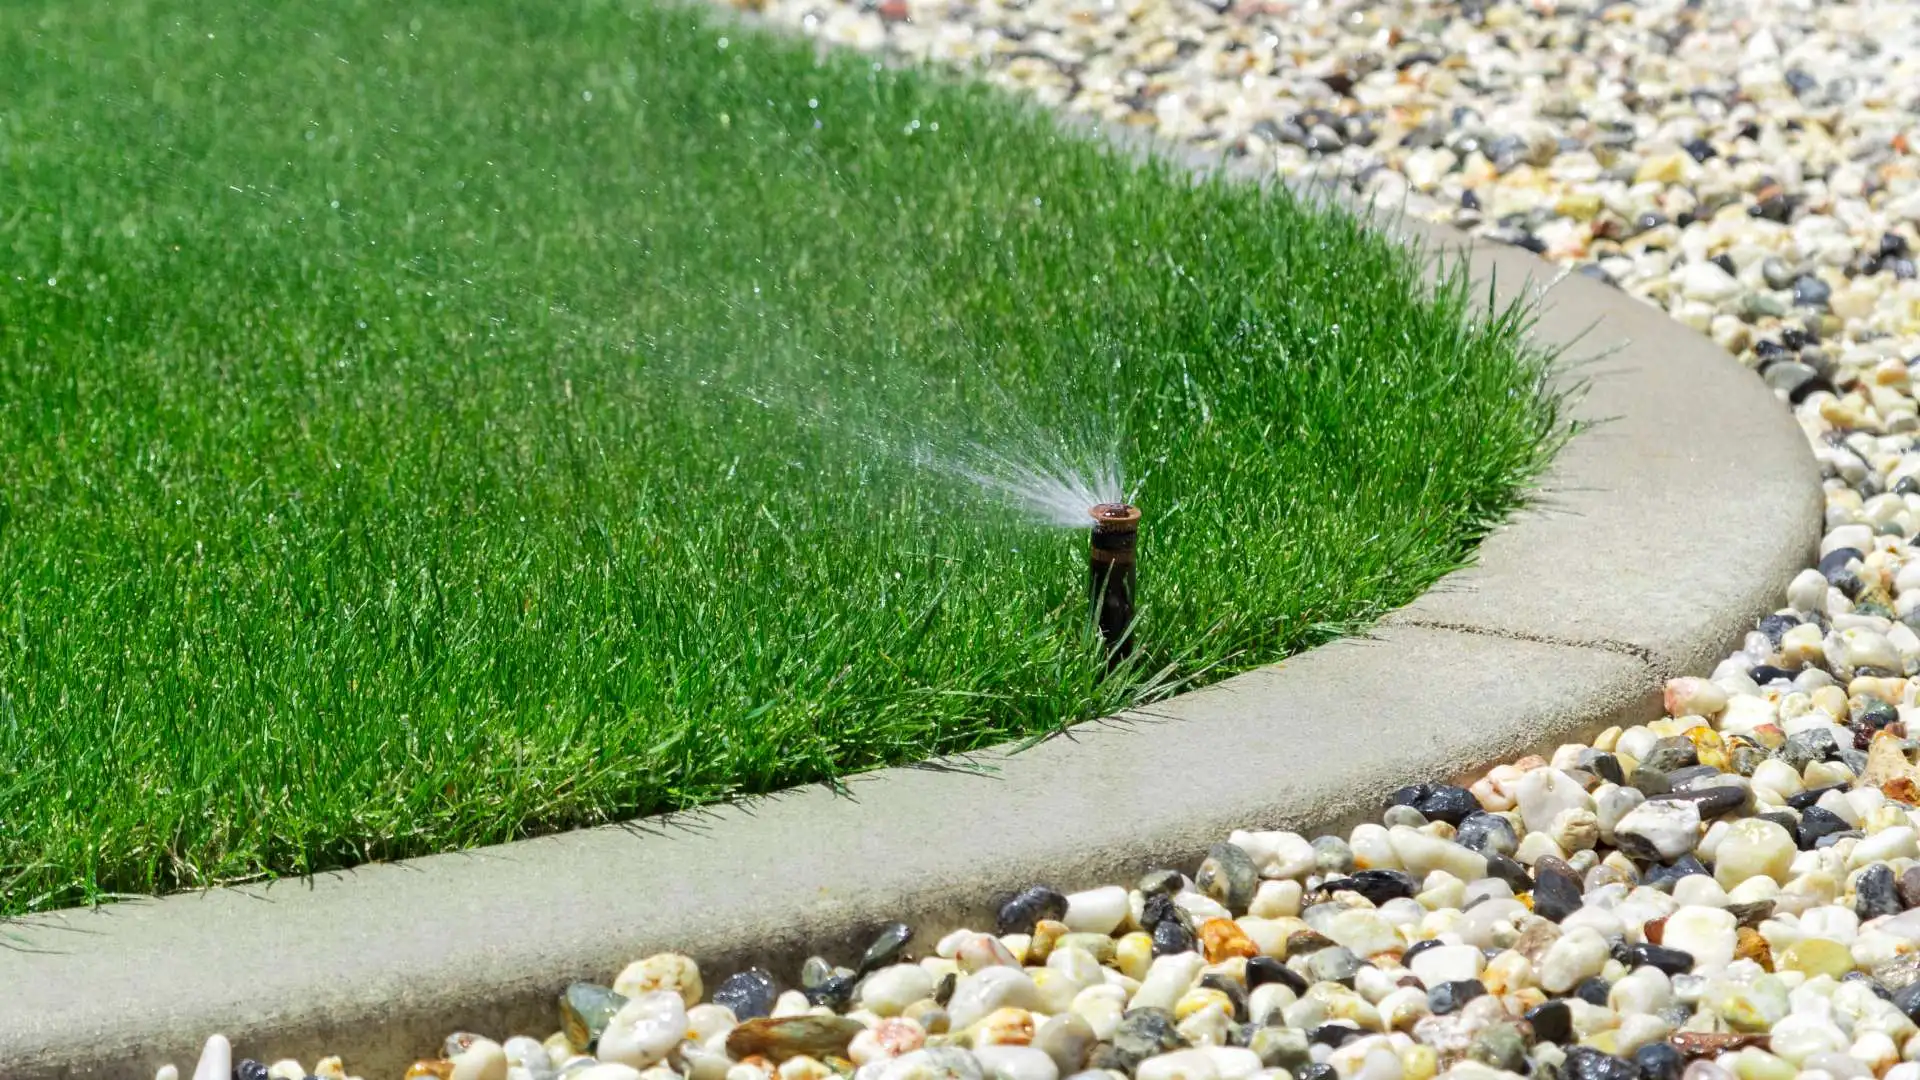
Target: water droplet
x=586 y=95
x=723 y=44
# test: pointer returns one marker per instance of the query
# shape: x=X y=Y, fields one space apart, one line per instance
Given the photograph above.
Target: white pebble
x=645 y=1030
x=1097 y=911
x=1277 y=855
x=1753 y=847
x=978 y=994
x=1015 y=1063
x=1169 y=977
x=1178 y=1065
x=1578 y=954
x=891 y=989
x=1543 y=794
x=1708 y=934
x=1448 y=963
x=216 y=1060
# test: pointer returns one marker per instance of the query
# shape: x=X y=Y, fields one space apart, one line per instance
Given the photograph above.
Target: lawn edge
x=1662 y=534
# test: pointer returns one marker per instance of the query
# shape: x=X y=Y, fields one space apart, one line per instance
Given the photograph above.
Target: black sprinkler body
x=1110 y=566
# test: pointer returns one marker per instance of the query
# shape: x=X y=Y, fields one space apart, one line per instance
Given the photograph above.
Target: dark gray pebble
x=1378 y=886
x=1262 y=970
x=1488 y=834
x=1659 y=1061
x=1170 y=938
x=1810 y=291
x=1556 y=888
x=750 y=993
x=1670 y=961
x=1448 y=997
x=1586 y=1063
x=1593 y=991
x=1663 y=877
x=1509 y=871
x=1876 y=894
x=1552 y=1021
x=1604 y=765
x=1027 y=907
x=890 y=944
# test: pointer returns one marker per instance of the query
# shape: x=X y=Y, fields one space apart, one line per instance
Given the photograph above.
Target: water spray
x=1110 y=558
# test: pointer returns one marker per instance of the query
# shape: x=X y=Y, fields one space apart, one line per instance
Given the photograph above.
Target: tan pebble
x=330 y=1068
x=1133 y=955
x=1003 y=1027
x=437 y=1068
x=1830 y=699
x=887 y=1039
x=1507 y=973
x=1199 y=998
x=286 y=1069
x=1661 y=169
x=802 y=1067
x=1817 y=956
x=1749 y=945
x=1710 y=747
x=662 y=971
x=1098 y=946
x=1223 y=938
x=1045 y=933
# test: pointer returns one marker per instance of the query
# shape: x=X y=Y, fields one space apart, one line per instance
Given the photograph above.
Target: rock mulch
x=1730 y=891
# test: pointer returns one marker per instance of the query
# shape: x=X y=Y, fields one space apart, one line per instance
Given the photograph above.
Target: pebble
x=1029 y=907
x=888 y=991
x=647 y=1028
x=1659 y=830
x=748 y=994
x=1753 y=847
x=663 y=971
x=1096 y=911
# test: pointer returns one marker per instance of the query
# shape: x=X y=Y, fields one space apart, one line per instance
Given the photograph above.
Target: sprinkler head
x=1110 y=559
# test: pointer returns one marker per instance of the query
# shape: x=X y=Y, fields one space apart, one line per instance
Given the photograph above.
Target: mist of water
x=1055 y=490
x=1000 y=456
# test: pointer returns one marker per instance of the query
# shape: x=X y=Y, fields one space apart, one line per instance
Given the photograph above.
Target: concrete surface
x=1668 y=531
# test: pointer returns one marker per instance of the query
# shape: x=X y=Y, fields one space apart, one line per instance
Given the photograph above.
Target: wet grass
x=429 y=425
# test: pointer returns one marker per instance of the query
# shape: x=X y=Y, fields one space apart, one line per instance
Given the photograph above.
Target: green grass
x=428 y=425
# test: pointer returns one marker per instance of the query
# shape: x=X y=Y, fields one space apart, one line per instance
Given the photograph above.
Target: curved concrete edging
x=1670 y=529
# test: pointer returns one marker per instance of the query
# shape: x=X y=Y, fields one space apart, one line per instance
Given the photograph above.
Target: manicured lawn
x=429 y=424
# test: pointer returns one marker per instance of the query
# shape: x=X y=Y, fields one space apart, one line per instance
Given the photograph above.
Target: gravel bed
x=1733 y=890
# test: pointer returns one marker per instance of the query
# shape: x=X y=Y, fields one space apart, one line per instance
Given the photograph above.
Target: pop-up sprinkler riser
x=1110 y=567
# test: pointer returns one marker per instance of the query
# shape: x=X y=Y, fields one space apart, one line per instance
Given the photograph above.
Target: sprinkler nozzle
x=1110 y=559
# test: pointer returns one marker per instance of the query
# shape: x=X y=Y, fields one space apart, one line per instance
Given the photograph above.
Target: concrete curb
x=1671 y=529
